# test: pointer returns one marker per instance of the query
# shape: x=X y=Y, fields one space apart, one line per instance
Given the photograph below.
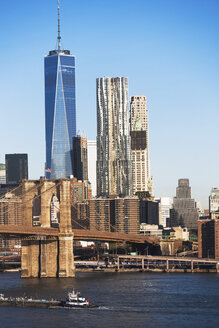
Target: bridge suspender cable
x=29 y=200
x=6 y=204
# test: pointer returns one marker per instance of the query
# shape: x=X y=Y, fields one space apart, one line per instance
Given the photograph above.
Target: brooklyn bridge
x=43 y=211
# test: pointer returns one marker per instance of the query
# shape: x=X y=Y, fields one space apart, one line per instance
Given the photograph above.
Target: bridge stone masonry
x=47 y=256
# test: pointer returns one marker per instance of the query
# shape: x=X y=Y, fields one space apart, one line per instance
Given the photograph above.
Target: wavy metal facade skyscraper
x=60 y=110
x=114 y=166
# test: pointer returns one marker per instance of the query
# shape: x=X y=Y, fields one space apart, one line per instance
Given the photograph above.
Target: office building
x=92 y=159
x=208 y=238
x=16 y=168
x=79 y=190
x=2 y=174
x=114 y=167
x=149 y=212
x=60 y=111
x=114 y=214
x=199 y=209
x=80 y=164
x=150 y=230
x=214 y=203
x=10 y=213
x=80 y=216
x=184 y=213
x=4 y=188
x=166 y=203
x=142 y=181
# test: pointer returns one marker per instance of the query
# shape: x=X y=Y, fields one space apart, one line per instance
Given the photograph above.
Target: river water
x=125 y=300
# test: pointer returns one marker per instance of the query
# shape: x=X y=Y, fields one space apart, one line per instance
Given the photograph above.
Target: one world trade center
x=60 y=110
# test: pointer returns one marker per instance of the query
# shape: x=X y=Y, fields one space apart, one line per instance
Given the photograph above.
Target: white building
x=92 y=158
x=199 y=208
x=142 y=181
x=150 y=230
x=214 y=201
x=2 y=174
x=166 y=203
x=180 y=233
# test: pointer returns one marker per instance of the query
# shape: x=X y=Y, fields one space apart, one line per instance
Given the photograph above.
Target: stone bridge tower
x=47 y=256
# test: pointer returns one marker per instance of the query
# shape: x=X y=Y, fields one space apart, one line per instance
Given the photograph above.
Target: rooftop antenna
x=59 y=36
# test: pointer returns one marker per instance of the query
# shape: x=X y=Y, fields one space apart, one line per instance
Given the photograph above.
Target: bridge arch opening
x=36 y=211
x=54 y=212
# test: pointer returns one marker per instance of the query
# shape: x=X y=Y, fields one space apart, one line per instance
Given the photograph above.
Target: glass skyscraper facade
x=60 y=110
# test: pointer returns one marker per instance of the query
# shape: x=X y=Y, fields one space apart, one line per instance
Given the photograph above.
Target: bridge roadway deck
x=91 y=235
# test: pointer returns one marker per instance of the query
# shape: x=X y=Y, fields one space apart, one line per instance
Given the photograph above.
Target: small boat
x=75 y=300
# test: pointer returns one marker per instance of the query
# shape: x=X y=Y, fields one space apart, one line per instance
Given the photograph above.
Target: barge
x=70 y=302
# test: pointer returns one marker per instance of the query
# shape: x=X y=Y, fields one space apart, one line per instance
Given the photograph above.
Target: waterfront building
x=214 y=203
x=92 y=159
x=184 y=213
x=114 y=214
x=80 y=164
x=60 y=111
x=114 y=166
x=2 y=174
x=208 y=238
x=16 y=168
x=142 y=181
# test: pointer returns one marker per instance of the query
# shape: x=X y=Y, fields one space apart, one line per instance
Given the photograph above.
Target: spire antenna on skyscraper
x=60 y=110
x=59 y=36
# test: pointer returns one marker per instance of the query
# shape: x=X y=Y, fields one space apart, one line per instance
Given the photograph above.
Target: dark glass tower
x=80 y=163
x=16 y=168
x=60 y=111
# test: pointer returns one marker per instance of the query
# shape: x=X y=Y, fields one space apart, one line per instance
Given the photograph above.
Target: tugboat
x=75 y=300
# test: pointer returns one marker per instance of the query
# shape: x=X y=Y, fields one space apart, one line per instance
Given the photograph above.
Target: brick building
x=208 y=238
x=10 y=213
x=114 y=214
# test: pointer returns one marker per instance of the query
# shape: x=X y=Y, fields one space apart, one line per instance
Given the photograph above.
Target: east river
x=124 y=299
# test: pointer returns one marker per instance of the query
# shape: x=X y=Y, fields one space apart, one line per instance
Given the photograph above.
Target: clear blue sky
x=168 y=49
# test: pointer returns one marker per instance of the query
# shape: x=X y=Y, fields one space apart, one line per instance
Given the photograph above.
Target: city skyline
x=175 y=52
